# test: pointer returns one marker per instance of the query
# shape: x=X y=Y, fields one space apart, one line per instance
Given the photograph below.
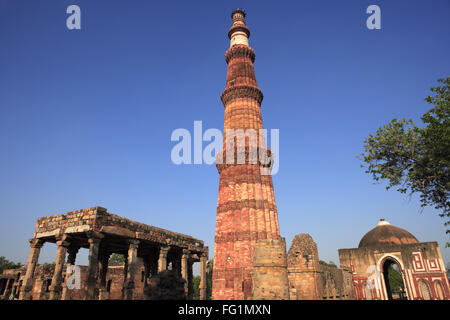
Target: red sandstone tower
x=246 y=209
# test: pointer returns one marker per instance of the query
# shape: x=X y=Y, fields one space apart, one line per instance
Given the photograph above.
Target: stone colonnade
x=99 y=254
x=7 y=287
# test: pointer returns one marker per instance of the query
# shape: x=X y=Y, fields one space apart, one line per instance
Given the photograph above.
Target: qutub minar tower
x=246 y=209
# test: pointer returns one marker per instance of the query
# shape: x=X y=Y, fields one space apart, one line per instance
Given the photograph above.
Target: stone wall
x=161 y=287
x=165 y=286
x=303 y=262
x=270 y=279
x=98 y=219
x=310 y=280
x=334 y=283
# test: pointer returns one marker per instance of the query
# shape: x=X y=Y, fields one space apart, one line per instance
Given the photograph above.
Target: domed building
x=391 y=263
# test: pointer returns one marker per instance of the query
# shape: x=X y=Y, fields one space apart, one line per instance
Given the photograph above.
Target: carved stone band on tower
x=246 y=209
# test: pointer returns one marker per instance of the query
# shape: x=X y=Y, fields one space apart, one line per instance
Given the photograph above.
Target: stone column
x=91 y=282
x=55 y=287
x=103 y=270
x=190 y=284
x=202 y=286
x=184 y=270
x=8 y=281
x=28 y=281
x=72 y=255
x=132 y=257
x=162 y=262
x=15 y=288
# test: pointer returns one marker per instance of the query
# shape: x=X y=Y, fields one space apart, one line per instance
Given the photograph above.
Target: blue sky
x=86 y=115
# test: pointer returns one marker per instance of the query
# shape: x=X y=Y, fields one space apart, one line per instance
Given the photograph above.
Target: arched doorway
x=393 y=280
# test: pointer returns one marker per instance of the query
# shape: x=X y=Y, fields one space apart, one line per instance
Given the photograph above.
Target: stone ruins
x=149 y=252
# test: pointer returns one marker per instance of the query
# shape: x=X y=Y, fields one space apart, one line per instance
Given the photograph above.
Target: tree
x=416 y=160
x=6 y=264
x=329 y=264
x=116 y=258
x=196 y=282
x=209 y=279
x=48 y=267
x=395 y=279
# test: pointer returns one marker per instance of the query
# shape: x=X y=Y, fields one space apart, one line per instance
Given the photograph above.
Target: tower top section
x=238 y=33
x=238 y=11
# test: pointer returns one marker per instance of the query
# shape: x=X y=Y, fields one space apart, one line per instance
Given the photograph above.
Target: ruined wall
x=270 y=279
x=310 y=280
x=74 y=221
x=115 y=281
x=303 y=261
x=334 y=283
x=165 y=286
x=98 y=219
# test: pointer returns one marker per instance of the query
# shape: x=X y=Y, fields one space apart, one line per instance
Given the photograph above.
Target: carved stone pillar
x=94 y=246
x=6 y=293
x=55 y=287
x=72 y=255
x=103 y=270
x=132 y=257
x=202 y=285
x=184 y=270
x=36 y=245
x=162 y=262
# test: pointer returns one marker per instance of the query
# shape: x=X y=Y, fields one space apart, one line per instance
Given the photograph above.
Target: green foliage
x=209 y=279
x=416 y=160
x=6 y=264
x=196 y=282
x=116 y=258
x=395 y=280
x=329 y=264
x=48 y=267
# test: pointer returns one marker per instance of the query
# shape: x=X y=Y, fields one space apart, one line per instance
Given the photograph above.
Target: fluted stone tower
x=246 y=209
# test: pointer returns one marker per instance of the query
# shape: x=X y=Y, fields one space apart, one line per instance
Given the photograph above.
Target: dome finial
x=383 y=223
